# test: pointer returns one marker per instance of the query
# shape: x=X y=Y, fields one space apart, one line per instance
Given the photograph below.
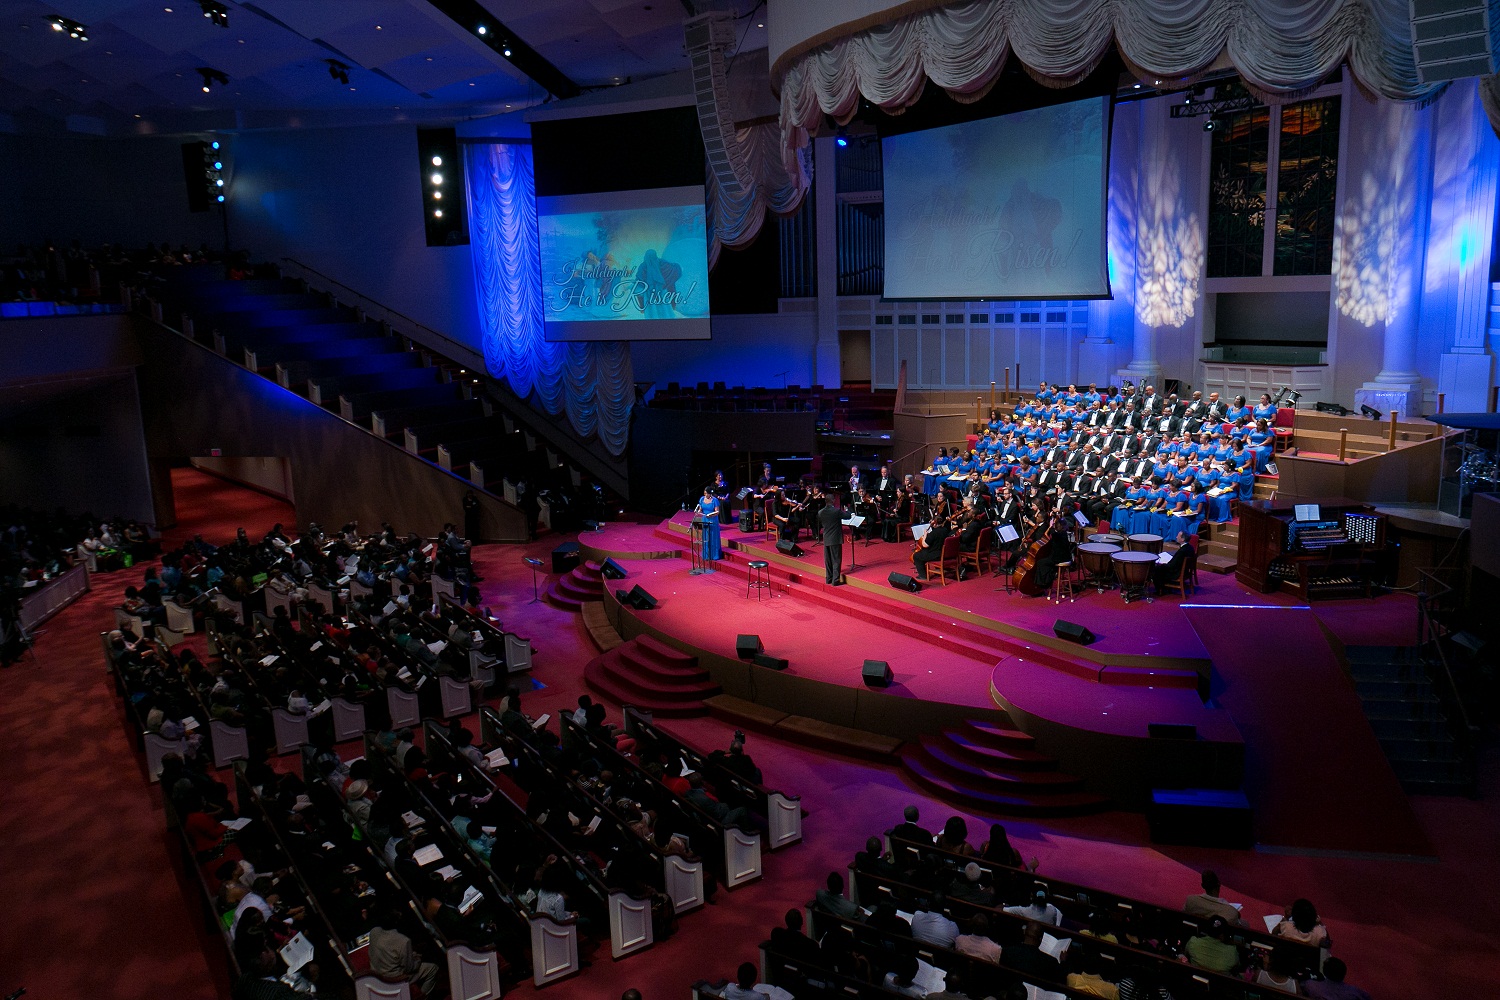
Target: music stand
x=535 y=564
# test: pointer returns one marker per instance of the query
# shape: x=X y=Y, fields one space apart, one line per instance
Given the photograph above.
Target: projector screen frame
x=894 y=130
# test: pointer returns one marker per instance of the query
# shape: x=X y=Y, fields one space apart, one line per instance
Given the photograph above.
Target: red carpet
x=94 y=913
x=1314 y=771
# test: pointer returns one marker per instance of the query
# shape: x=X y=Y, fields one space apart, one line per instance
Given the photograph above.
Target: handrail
x=1427 y=631
x=370 y=306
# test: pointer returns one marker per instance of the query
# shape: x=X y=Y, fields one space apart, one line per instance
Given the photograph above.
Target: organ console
x=1332 y=554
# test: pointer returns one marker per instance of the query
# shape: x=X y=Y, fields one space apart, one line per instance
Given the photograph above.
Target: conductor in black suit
x=831 y=523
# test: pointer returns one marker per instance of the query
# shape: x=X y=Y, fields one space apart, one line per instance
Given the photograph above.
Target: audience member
x=1039 y=909
x=1332 y=986
x=932 y=925
x=1301 y=924
x=1209 y=903
x=909 y=829
x=831 y=899
x=1209 y=950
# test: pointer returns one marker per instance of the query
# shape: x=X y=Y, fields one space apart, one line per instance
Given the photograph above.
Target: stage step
x=840 y=739
x=1213 y=562
x=596 y=621
x=746 y=714
x=575 y=588
x=987 y=795
x=649 y=675
x=997 y=769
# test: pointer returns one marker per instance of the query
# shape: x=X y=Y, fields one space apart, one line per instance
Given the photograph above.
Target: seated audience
x=1209 y=903
x=1332 y=986
x=1301 y=924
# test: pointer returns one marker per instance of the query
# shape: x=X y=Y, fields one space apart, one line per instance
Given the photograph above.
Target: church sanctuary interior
x=749 y=499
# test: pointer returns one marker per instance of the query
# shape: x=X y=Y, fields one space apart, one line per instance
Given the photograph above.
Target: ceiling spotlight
x=215 y=12
x=437 y=213
x=437 y=161
x=338 y=71
x=483 y=30
x=214 y=144
x=437 y=195
x=437 y=178
x=221 y=199
x=1210 y=125
x=505 y=50
x=842 y=141
x=212 y=76
x=73 y=29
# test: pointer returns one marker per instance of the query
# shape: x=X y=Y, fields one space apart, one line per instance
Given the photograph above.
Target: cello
x=1023 y=578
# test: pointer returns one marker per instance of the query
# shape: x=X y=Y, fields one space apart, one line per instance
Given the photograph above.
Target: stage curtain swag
x=1281 y=49
x=591 y=382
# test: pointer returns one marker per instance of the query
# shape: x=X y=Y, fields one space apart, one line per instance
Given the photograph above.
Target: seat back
x=230 y=742
x=456 y=695
x=157 y=747
x=517 y=653
x=291 y=730
x=404 y=708
x=179 y=618
x=1286 y=416
x=348 y=720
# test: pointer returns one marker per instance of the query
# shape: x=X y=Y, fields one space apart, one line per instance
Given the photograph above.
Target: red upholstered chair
x=1281 y=428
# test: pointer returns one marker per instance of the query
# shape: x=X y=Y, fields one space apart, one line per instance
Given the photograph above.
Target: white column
x=1466 y=167
x=825 y=192
x=1398 y=385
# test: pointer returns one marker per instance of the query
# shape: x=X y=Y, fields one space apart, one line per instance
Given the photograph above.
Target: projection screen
x=1011 y=207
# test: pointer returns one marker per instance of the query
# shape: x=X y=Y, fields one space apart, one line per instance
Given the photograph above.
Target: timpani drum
x=1144 y=542
x=1108 y=539
x=1133 y=570
x=1094 y=557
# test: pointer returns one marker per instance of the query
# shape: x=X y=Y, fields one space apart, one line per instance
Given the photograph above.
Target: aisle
x=94 y=908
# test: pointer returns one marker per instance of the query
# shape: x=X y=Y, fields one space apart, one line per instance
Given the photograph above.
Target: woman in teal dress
x=709 y=508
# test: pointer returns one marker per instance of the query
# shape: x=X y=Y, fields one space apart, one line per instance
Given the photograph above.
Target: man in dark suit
x=886 y=484
x=910 y=829
x=831 y=524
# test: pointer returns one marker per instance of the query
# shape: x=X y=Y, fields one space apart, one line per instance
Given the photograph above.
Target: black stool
x=759 y=580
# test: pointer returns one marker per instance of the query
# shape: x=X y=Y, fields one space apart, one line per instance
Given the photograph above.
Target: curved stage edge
x=1089 y=711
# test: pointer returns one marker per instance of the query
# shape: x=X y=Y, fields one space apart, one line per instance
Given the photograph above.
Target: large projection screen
x=1001 y=208
x=625 y=265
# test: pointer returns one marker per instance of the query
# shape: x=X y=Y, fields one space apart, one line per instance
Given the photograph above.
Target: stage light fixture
x=215 y=12
x=221 y=199
x=1210 y=125
x=483 y=30
x=437 y=213
x=73 y=29
x=437 y=161
x=1370 y=411
x=212 y=76
x=505 y=51
x=437 y=178
x=214 y=144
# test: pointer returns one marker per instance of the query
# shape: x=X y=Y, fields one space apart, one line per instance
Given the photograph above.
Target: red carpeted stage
x=970 y=650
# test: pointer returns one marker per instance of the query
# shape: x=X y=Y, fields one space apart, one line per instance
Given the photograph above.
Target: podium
x=704 y=544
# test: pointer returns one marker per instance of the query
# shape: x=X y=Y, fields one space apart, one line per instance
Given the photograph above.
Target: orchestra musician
x=854 y=482
x=931 y=545
x=885 y=483
x=720 y=489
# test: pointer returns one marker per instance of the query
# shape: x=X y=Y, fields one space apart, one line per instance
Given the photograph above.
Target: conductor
x=831 y=523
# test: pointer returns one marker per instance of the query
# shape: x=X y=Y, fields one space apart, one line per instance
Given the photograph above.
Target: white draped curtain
x=591 y=382
x=1279 y=47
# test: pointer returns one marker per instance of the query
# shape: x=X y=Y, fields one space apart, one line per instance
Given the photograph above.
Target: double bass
x=1023 y=577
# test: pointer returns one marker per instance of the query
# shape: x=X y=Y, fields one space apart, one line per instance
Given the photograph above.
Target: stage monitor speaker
x=1073 y=632
x=788 y=548
x=612 y=570
x=565 y=557
x=440 y=165
x=746 y=646
x=877 y=674
x=640 y=599
x=901 y=581
x=1171 y=731
x=770 y=662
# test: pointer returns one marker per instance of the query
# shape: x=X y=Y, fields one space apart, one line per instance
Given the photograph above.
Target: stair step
x=1217 y=563
x=604 y=684
x=562 y=601
x=634 y=661
x=990 y=735
x=943 y=760
x=1410 y=729
x=1017 y=757
x=1421 y=750
x=1415 y=690
x=1022 y=801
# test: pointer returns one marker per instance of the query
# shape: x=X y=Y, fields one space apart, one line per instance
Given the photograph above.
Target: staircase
x=577 y=587
x=995 y=770
x=1218 y=547
x=328 y=353
x=653 y=676
x=1408 y=719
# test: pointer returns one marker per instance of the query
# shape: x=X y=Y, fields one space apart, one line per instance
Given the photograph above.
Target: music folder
x=1008 y=533
x=919 y=531
x=854 y=520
